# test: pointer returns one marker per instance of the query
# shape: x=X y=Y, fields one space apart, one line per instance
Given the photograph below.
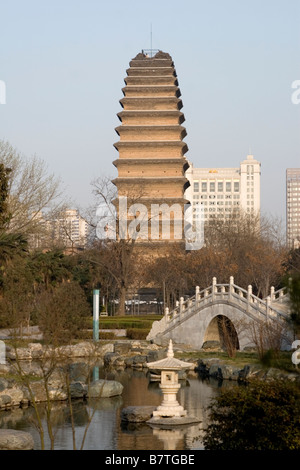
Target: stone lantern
x=169 y=367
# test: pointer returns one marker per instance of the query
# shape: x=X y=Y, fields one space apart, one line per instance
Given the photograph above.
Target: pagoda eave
x=150 y=161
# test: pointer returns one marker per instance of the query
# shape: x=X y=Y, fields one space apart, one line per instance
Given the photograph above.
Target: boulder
x=12 y=396
x=229 y=372
x=137 y=414
x=251 y=371
x=139 y=361
x=5 y=401
x=105 y=388
x=109 y=358
x=78 y=390
x=214 y=345
x=3 y=384
x=215 y=371
x=15 y=440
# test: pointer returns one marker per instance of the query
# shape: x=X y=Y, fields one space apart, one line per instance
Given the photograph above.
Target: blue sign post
x=96 y=295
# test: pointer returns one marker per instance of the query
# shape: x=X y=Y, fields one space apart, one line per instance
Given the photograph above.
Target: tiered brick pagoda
x=151 y=164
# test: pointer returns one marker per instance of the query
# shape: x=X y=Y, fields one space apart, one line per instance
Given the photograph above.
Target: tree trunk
x=121 y=309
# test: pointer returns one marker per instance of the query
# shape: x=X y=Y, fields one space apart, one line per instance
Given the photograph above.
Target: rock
x=251 y=371
x=137 y=414
x=16 y=396
x=5 y=401
x=215 y=371
x=139 y=361
x=122 y=348
x=155 y=355
x=36 y=350
x=109 y=358
x=3 y=384
x=129 y=361
x=105 y=388
x=211 y=345
x=15 y=440
x=78 y=390
x=229 y=372
x=202 y=368
x=4 y=368
x=77 y=350
x=104 y=348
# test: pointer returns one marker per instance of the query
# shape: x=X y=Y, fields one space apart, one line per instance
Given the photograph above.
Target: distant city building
x=293 y=207
x=69 y=230
x=219 y=191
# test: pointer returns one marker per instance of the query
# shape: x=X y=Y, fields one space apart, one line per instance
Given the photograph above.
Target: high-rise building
x=67 y=230
x=151 y=164
x=219 y=191
x=293 y=207
x=71 y=229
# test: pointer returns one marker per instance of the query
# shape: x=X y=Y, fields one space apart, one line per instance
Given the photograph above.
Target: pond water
x=107 y=432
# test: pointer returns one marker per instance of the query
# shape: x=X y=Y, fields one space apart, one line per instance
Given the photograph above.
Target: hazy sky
x=64 y=64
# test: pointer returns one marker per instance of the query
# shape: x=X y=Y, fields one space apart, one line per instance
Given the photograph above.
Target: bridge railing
x=279 y=295
x=251 y=304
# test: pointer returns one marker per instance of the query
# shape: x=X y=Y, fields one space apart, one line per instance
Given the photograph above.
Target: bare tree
x=31 y=191
x=116 y=242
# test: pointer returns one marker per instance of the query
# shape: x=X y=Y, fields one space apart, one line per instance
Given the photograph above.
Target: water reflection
x=106 y=431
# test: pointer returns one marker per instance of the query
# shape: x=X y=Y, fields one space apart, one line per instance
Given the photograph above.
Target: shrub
x=62 y=313
x=258 y=416
x=137 y=333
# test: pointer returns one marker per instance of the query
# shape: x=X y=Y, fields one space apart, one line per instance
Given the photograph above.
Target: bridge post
x=268 y=306
x=272 y=293
x=223 y=291
x=181 y=307
x=249 y=293
x=280 y=295
x=197 y=292
x=231 y=282
x=167 y=314
x=214 y=282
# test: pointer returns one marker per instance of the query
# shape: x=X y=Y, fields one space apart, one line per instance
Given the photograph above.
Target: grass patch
x=126 y=322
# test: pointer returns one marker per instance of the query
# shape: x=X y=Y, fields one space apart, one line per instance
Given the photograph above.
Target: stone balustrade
x=245 y=300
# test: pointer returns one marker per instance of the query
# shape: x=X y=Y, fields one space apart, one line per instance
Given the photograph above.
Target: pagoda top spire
x=152 y=54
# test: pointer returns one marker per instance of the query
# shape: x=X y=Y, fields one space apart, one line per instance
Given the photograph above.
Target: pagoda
x=152 y=163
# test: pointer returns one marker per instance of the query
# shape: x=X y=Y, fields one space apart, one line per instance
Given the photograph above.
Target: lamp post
x=96 y=296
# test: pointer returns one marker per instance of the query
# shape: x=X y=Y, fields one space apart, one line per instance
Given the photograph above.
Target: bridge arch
x=222 y=331
x=199 y=326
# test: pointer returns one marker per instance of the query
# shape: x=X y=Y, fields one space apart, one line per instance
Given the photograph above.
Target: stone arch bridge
x=196 y=321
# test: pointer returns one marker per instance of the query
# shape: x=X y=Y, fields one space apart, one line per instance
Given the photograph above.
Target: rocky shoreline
x=80 y=360
x=113 y=355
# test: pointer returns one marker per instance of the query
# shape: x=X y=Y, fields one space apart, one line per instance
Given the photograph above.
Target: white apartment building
x=71 y=229
x=68 y=230
x=219 y=191
x=293 y=207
